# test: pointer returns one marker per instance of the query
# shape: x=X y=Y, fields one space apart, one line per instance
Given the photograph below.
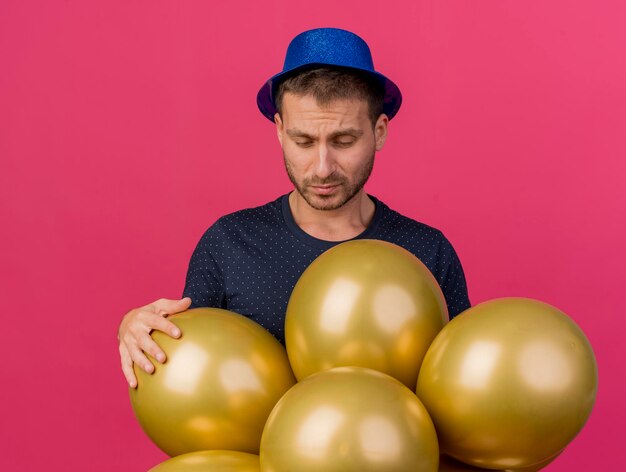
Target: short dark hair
x=327 y=84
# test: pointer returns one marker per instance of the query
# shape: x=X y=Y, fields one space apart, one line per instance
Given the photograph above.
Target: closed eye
x=344 y=143
x=304 y=144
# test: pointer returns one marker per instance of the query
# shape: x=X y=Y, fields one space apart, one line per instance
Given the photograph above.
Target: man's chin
x=325 y=202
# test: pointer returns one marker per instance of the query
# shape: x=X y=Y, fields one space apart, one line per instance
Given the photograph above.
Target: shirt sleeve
x=451 y=278
x=205 y=283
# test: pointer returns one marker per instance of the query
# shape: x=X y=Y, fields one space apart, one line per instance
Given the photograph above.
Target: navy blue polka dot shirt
x=249 y=261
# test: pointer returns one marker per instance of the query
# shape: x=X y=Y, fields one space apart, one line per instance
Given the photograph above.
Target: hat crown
x=331 y=46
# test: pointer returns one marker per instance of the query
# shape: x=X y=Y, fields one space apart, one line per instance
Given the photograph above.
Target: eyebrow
x=296 y=133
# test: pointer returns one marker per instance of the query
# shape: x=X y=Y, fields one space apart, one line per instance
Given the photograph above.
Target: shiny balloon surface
x=364 y=303
x=447 y=464
x=210 y=461
x=349 y=419
x=220 y=382
x=508 y=383
x=538 y=466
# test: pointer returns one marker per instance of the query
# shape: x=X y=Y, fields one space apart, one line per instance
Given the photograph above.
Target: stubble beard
x=327 y=202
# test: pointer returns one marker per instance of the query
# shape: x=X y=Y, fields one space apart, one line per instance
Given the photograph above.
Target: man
x=331 y=110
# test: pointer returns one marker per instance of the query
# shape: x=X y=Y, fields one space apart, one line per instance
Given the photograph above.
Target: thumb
x=172 y=306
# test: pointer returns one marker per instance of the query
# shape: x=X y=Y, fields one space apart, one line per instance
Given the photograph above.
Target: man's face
x=328 y=151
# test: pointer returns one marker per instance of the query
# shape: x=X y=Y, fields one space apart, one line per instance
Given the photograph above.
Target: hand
x=135 y=339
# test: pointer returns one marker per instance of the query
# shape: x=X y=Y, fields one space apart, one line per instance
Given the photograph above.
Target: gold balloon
x=210 y=461
x=508 y=383
x=220 y=382
x=536 y=467
x=349 y=419
x=364 y=303
x=447 y=464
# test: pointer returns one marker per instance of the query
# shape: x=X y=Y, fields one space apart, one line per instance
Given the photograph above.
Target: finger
x=166 y=326
x=164 y=305
x=146 y=321
x=140 y=359
x=147 y=344
x=127 y=366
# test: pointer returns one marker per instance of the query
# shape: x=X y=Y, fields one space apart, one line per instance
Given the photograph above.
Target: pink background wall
x=127 y=127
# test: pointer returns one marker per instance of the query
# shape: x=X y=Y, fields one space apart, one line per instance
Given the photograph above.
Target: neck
x=333 y=225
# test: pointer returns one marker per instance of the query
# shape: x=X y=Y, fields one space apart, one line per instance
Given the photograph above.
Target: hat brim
x=265 y=97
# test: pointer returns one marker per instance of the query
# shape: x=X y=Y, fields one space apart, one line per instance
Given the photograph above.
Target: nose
x=325 y=164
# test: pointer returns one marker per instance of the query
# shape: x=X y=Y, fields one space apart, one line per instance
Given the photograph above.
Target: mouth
x=325 y=189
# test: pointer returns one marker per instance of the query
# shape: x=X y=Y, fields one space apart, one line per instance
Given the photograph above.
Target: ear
x=380 y=131
x=279 y=128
